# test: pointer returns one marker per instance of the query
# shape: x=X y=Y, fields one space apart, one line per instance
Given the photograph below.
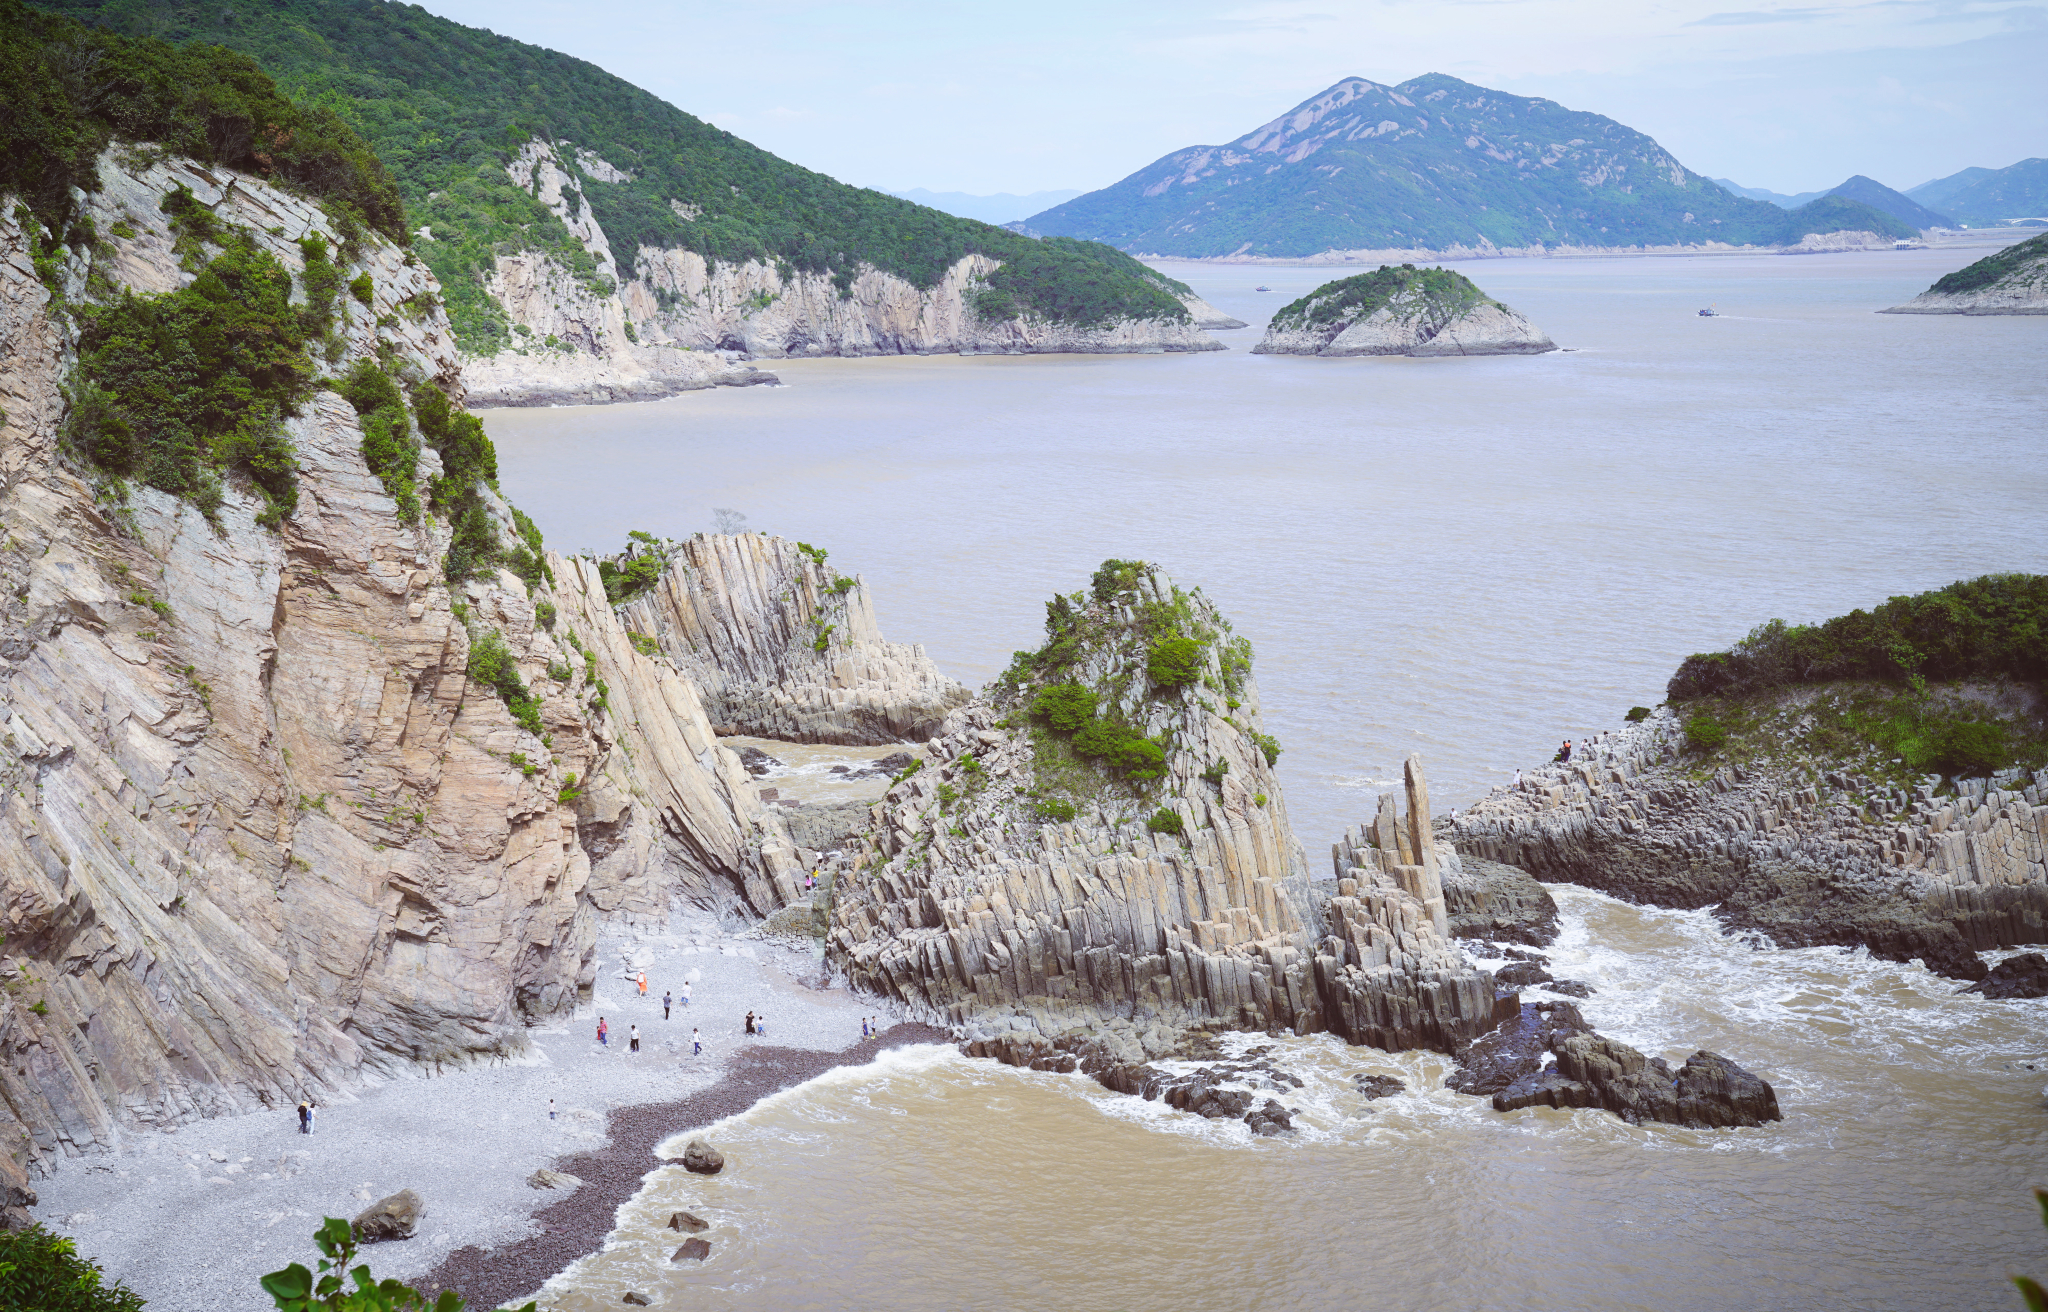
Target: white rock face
x=1411 y=325
x=262 y=835
x=780 y=645
x=2022 y=290
x=684 y=315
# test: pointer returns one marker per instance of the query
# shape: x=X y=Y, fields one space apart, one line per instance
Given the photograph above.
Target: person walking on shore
x=696 y=1044
x=603 y=1030
x=643 y=983
x=761 y=1026
x=686 y=991
x=551 y=1109
x=312 y=1110
x=305 y=1117
x=750 y=1022
x=666 y=1001
x=633 y=1037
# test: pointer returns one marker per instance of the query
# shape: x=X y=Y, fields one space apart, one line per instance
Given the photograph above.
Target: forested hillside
x=446 y=107
x=1431 y=164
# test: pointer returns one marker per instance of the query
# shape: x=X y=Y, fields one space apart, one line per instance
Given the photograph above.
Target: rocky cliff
x=1101 y=835
x=1809 y=852
x=2012 y=281
x=285 y=808
x=781 y=646
x=653 y=321
x=1401 y=311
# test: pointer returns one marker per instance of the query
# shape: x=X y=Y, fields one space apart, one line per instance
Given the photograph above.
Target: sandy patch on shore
x=192 y=1219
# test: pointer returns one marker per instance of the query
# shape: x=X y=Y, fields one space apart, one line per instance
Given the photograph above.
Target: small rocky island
x=2011 y=281
x=1401 y=311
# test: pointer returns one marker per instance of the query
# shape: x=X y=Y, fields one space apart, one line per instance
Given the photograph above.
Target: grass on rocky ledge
x=1892 y=735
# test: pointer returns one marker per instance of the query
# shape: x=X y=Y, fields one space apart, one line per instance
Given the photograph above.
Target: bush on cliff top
x=72 y=90
x=1989 y=627
x=1994 y=266
x=43 y=1271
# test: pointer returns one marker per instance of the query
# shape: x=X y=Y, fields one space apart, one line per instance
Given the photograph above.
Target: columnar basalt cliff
x=1808 y=853
x=782 y=646
x=1103 y=836
x=654 y=321
x=1401 y=311
x=284 y=806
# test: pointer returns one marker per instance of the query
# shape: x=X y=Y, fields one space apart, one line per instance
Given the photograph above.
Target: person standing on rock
x=633 y=1038
x=667 y=1000
x=1564 y=753
x=750 y=1022
x=602 y=1031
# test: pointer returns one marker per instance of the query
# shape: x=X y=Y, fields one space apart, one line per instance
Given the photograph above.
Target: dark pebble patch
x=576 y=1226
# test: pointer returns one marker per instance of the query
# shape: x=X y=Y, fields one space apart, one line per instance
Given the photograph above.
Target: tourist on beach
x=633 y=1036
x=643 y=983
x=1564 y=753
x=696 y=1044
x=760 y=1026
x=864 y=1033
x=1518 y=780
x=551 y=1109
x=305 y=1117
x=666 y=1001
x=603 y=1030
x=686 y=993
x=312 y=1110
x=750 y=1022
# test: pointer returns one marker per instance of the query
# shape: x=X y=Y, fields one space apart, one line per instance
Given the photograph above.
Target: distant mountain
x=1002 y=207
x=1900 y=206
x=1832 y=213
x=1984 y=198
x=1433 y=163
x=1778 y=198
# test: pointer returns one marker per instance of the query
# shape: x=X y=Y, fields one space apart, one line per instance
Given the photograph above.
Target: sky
x=985 y=97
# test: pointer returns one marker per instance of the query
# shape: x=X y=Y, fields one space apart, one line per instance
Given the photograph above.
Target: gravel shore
x=192 y=1219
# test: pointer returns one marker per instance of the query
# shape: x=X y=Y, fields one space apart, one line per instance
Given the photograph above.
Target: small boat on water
x=1710 y=313
x=1262 y=288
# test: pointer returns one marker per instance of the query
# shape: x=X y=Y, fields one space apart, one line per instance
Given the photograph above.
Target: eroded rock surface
x=1502 y=903
x=1807 y=861
x=780 y=645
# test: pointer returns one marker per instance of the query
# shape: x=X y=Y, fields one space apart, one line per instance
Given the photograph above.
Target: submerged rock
x=395 y=1217
x=2023 y=976
x=1401 y=311
x=692 y=1250
x=757 y=761
x=1379 y=1086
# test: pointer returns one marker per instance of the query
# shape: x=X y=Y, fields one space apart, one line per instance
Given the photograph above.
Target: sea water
x=1467 y=558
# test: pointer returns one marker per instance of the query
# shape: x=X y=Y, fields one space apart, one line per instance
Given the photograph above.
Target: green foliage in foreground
x=447 y=107
x=1994 y=266
x=43 y=1271
x=173 y=390
x=2030 y=1288
x=1439 y=294
x=295 y=1289
x=72 y=90
x=1986 y=627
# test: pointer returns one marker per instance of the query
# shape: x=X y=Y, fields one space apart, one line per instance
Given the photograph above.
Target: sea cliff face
x=265 y=834
x=1808 y=856
x=654 y=321
x=1401 y=311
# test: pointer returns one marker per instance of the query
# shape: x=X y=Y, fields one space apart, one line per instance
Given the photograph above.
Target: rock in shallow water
x=2023 y=976
x=395 y=1217
x=701 y=1158
x=693 y=1250
x=688 y=1222
x=1379 y=1086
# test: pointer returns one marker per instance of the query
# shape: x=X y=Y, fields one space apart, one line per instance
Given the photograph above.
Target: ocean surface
x=1467 y=558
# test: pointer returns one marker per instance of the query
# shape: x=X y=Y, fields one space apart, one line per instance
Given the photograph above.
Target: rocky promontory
x=2011 y=281
x=1401 y=311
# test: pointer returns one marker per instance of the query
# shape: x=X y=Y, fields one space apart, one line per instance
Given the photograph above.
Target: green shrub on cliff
x=43 y=1271
x=491 y=664
x=1064 y=706
x=388 y=445
x=1174 y=662
x=1703 y=733
x=295 y=1289
x=1164 y=821
x=1994 y=267
x=1996 y=625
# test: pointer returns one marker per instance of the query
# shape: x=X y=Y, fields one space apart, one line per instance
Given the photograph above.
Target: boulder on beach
x=395 y=1217
x=546 y=1179
x=688 y=1222
x=692 y=1250
x=701 y=1158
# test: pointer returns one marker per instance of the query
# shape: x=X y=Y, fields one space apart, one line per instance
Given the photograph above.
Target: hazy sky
x=987 y=97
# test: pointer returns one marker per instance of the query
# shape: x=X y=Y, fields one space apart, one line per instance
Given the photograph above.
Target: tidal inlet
x=1423 y=709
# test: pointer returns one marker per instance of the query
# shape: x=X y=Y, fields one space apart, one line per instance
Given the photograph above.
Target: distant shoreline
x=1975 y=237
